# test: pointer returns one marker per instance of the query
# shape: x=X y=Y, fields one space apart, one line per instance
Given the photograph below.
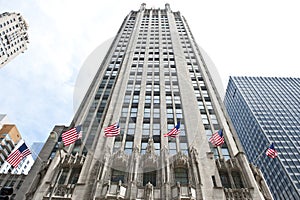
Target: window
x=74 y=175
x=117 y=176
x=128 y=147
x=181 y=175
x=225 y=180
x=172 y=147
x=225 y=153
x=149 y=176
x=66 y=178
x=63 y=176
x=237 y=179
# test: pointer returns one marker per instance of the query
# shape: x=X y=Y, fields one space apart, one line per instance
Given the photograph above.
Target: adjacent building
x=35 y=148
x=13 y=36
x=153 y=76
x=10 y=139
x=12 y=180
x=265 y=110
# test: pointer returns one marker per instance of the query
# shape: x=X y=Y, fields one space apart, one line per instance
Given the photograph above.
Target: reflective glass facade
x=265 y=110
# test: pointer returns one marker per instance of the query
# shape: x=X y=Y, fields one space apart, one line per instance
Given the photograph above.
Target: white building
x=13 y=36
x=23 y=167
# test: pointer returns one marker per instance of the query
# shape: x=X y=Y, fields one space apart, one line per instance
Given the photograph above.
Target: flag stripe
x=174 y=132
x=271 y=152
x=112 y=130
x=17 y=156
x=70 y=136
x=217 y=138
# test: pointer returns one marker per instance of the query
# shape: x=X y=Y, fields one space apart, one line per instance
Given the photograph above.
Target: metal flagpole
x=261 y=154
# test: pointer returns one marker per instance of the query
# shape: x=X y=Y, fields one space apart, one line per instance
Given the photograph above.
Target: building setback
x=13 y=36
x=265 y=110
x=153 y=76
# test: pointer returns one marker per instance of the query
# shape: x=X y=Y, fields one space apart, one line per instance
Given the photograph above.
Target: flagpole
x=35 y=154
x=261 y=153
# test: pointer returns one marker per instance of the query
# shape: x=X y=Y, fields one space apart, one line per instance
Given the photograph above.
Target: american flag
x=70 y=136
x=112 y=130
x=17 y=156
x=174 y=132
x=271 y=152
x=217 y=138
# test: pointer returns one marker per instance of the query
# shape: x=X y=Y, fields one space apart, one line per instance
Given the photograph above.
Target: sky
x=242 y=37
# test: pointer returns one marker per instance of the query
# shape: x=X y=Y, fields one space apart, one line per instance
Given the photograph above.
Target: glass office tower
x=265 y=110
x=152 y=77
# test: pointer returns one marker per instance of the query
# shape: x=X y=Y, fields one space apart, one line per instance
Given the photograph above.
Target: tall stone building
x=153 y=76
x=13 y=36
x=269 y=112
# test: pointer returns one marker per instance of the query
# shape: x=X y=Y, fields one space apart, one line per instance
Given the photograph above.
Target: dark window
x=117 y=176
x=237 y=180
x=225 y=180
x=181 y=175
x=63 y=176
x=149 y=177
x=74 y=175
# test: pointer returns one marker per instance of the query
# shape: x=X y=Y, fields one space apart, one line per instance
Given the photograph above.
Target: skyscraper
x=265 y=110
x=153 y=79
x=13 y=36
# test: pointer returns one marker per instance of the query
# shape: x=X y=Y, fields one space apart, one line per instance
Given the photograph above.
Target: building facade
x=152 y=77
x=12 y=180
x=13 y=36
x=10 y=139
x=265 y=110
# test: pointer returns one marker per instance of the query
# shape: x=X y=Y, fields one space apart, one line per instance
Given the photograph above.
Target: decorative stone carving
x=260 y=182
x=61 y=191
x=181 y=159
x=120 y=159
x=106 y=155
x=71 y=160
x=150 y=159
x=149 y=191
x=193 y=151
x=95 y=169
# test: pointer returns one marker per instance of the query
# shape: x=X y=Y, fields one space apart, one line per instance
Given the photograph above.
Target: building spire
x=143 y=6
x=167 y=6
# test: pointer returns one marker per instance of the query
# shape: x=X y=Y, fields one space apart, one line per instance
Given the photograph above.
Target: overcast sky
x=243 y=38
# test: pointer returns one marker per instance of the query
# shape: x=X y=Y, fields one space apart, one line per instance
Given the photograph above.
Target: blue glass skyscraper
x=265 y=110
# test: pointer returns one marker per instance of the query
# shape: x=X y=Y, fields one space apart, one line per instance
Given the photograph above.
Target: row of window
x=151 y=176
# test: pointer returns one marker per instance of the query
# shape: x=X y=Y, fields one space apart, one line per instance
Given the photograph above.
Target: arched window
x=237 y=179
x=74 y=175
x=63 y=176
x=117 y=175
x=181 y=175
x=149 y=176
x=225 y=180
